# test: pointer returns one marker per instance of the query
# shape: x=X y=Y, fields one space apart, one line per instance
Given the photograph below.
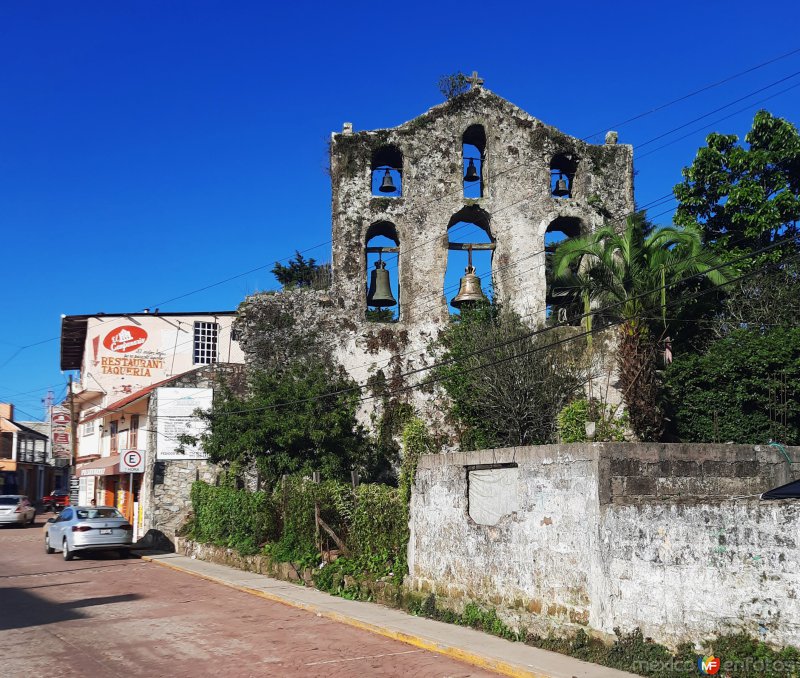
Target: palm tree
x=625 y=276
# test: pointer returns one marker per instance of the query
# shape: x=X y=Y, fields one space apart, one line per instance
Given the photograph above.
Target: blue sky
x=149 y=149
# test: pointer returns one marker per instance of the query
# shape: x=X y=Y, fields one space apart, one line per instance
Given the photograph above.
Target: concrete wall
x=618 y=535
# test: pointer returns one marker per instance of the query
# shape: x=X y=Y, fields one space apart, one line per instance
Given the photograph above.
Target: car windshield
x=88 y=514
x=9 y=501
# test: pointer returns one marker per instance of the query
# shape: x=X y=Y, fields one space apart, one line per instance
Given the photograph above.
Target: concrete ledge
x=468 y=645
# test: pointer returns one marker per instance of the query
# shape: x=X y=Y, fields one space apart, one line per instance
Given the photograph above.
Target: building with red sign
x=123 y=359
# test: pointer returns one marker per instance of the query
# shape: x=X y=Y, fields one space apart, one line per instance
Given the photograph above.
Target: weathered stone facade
x=668 y=538
x=167 y=484
x=516 y=209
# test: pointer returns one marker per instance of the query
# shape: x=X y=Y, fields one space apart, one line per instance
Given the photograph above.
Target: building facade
x=26 y=463
x=123 y=359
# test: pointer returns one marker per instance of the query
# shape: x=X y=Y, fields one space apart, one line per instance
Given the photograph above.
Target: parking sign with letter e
x=131 y=461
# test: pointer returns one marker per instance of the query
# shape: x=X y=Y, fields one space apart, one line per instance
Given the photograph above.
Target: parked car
x=88 y=528
x=56 y=500
x=15 y=509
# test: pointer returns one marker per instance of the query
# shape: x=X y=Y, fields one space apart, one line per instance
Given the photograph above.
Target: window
x=469 y=258
x=562 y=305
x=205 y=343
x=89 y=427
x=113 y=428
x=492 y=492
x=133 y=433
x=562 y=174
x=473 y=151
x=383 y=266
x=387 y=172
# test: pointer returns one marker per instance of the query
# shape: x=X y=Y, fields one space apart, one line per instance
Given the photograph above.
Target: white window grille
x=205 y=343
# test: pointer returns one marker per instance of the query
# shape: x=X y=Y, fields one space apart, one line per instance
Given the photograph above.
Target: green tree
x=744 y=389
x=302 y=272
x=453 y=84
x=744 y=198
x=506 y=387
x=628 y=274
x=290 y=423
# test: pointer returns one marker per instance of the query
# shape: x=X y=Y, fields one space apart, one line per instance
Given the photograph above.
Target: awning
x=790 y=490
x=105 y=466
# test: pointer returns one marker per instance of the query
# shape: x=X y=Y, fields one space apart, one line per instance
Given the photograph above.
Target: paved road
x=102 y=616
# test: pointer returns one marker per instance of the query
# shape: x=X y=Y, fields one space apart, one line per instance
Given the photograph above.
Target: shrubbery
x=370 y=521
x=228 y=517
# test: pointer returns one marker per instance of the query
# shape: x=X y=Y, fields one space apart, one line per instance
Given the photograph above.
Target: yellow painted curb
x=448 y=651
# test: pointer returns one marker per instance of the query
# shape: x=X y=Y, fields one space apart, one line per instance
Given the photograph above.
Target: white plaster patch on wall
x=493 y=494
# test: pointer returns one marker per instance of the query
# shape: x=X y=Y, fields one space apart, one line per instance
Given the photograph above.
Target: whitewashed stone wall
x=602 y=539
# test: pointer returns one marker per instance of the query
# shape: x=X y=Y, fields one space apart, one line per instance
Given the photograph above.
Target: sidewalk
x=474 y=647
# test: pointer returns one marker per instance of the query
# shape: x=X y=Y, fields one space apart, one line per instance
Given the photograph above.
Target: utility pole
x=73 y=429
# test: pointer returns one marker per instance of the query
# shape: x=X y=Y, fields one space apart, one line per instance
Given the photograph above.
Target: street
x=101 y=615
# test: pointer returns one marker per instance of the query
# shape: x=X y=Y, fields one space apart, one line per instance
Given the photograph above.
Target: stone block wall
x=617 y=535
x=166 y=486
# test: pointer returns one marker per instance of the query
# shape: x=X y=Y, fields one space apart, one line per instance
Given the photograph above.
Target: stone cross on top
x=474 y=80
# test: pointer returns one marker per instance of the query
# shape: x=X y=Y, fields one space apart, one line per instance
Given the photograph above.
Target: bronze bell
x=561 y=188
x=472 y=172
x=380 y=288
x=387 y=185
x=469 y=292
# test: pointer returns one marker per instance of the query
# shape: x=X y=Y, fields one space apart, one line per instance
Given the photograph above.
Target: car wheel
x=124 y=553
x=47 y=547
x=68 y=555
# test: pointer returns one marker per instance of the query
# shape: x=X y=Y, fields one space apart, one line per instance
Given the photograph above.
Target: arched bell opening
x=562 y=175
x=468 y=276
x=382 y=256
x=473 y=152
x=563 y=302
x=387 y=172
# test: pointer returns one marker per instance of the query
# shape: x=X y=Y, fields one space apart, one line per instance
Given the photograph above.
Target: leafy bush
x=378 y=535
x=743 y=389
x=371 y=522
x=228 y=517
x=296 y=499
x=572 y=422
x=506 y=386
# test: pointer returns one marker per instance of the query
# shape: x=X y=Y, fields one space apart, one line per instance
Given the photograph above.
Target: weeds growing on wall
x=572 y=422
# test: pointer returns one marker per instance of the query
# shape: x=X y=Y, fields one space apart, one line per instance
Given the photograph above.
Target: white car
x=16 y=509
x=88 y=528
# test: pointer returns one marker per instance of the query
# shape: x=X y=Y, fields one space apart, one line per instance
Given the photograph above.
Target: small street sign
x=131 y=461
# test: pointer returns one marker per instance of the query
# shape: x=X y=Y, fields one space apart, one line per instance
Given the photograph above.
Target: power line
x=420 y=205
x=535 y=332
x=696 y=92
x=717 y=110
x=718 y=120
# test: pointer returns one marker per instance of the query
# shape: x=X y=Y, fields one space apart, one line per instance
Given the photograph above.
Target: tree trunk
x=639 y=381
